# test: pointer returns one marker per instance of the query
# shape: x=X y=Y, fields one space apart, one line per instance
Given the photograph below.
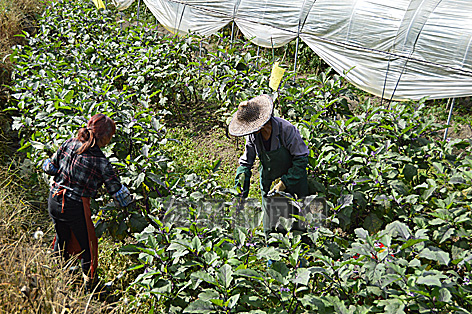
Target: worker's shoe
x=90 y=283
x=93 y=285
x=74 y=270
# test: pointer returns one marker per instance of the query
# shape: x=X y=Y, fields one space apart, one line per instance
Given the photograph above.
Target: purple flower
x=354 y=183
x=284 y=289
x=339 y=161
x=186 y=84
x=411 y=294
x=134 y=120
x=448 y=140
x=466 y=281
x=250 y=244
x=376 y=181
x=372 y=153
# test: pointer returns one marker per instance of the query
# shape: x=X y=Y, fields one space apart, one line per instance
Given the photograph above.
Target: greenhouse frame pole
x=232 y=34
x=449 y=118
x=296 y=59
x=257 y=55
x=199 y=57
x=138 y=11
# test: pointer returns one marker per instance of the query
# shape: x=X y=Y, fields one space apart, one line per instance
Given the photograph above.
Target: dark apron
x=73 y=246
x=275 y=164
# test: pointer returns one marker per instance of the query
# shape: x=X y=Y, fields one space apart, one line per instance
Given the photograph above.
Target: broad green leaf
x=217 y=302
x=314 y=302
x=435 y=254
x=444 y=295
x=399 y=228
x=137 y=223
x=233 y=300
x=240 y=236
x=37 y=145
x=372 y=223
x=205 y=277
x=225 y=275
x=433 y=280
x=409 y=171
x=393 y=306
x=411 y=242
x=428 y=193
x=129 y=249
x=302 y=276
x=200 y=306
x=139 y=180
x=361 y=233
x=447 y=235
x=345 y=200
x=268 y=253
x=196 y=244
x=277 y=276
x=457 y=180
x=249 y=273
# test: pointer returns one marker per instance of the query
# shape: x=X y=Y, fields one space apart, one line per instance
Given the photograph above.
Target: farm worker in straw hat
x=279 y=146
x=80 y=168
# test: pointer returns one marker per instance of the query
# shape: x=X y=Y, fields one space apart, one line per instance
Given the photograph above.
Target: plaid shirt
x=81 y=175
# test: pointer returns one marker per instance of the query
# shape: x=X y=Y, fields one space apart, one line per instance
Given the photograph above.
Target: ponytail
x=85 y=135
x=100 y=128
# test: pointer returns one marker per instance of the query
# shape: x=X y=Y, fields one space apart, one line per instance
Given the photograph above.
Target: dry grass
x=16 y=16
x=32 y=280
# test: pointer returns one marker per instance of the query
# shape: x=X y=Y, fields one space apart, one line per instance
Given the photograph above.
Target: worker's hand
x=123 y=197
x=278 y=188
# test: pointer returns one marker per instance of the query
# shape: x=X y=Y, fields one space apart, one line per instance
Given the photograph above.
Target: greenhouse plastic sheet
x=408 y=49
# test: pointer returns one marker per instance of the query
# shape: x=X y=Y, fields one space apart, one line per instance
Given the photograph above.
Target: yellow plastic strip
x=99 y=4
x=276 y=76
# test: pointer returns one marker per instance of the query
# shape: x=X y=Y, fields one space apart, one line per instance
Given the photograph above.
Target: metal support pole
x=449 y=118
x=232 y=34
x=257 y=57
x=272 y=44
x=199 y=57
x=296 y=59
x=122 y=16
x=138 y=12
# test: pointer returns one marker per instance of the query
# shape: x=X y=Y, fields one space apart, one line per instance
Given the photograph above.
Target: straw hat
x=251 y=116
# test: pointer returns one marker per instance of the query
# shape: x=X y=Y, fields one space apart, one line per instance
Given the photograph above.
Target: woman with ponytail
x=80 y=168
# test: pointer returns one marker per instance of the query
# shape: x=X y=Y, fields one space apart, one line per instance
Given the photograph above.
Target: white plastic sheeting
x=122 y=4
x=408 y=48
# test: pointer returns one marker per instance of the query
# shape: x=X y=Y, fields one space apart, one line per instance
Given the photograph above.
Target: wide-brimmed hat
x=251 y=116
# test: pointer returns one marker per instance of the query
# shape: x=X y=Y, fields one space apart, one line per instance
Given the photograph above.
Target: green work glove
x=243 y=180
